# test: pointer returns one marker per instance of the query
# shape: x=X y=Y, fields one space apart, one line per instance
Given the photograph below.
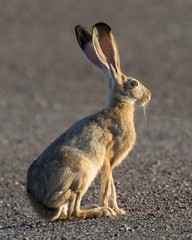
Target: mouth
x=144 y=100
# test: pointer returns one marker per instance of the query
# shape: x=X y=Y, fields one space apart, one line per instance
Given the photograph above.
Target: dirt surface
x=46 y=84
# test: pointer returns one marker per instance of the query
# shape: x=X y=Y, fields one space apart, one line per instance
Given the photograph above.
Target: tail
x=40 y=208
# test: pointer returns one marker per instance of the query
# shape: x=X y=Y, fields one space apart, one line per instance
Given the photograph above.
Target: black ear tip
x=83 y=35
x=77 y=32
x=102 y=25
x=77 y=29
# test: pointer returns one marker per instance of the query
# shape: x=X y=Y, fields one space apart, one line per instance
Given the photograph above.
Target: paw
x=107 y=211
x=119 y=211
x=72 y=218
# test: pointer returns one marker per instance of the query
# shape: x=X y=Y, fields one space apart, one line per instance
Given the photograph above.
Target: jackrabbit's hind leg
x=87 y=207
x=63 y=214
x=92 y=211
x=69 y=211
x=73 y=211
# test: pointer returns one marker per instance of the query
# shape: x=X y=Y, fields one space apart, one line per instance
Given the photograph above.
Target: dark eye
x=134 y=83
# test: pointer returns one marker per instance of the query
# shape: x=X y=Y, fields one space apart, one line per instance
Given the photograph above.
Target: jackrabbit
x=57 y=180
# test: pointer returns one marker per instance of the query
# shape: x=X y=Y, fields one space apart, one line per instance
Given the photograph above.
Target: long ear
x=84 y=38
x=105 y=46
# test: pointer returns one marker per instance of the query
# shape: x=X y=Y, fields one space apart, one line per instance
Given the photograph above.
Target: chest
x=122 y=141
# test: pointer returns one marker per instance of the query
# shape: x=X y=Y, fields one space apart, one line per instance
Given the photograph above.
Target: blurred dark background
x=46 y=84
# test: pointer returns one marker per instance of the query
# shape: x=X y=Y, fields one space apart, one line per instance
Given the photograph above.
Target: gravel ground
x=46 y=84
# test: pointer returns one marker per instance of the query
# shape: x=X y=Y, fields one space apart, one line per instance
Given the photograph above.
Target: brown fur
x=60 y=176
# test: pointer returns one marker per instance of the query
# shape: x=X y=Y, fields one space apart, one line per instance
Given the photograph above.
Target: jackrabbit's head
x=101 y=49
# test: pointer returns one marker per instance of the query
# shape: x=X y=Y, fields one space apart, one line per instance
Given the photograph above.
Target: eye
x=134 y=83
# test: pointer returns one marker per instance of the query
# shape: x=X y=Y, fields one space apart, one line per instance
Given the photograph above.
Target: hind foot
x=87 y=207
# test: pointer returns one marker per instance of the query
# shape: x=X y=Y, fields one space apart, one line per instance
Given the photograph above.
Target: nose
x=149 y=93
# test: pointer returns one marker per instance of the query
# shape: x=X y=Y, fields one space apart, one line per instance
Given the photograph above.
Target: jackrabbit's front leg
x=105 y=189
x=113 y=198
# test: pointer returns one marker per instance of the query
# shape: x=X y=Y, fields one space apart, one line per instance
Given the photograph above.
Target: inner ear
x=105 y=45
x=105 y=42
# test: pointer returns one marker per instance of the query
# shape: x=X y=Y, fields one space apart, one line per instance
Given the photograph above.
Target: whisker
x=145 y=115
